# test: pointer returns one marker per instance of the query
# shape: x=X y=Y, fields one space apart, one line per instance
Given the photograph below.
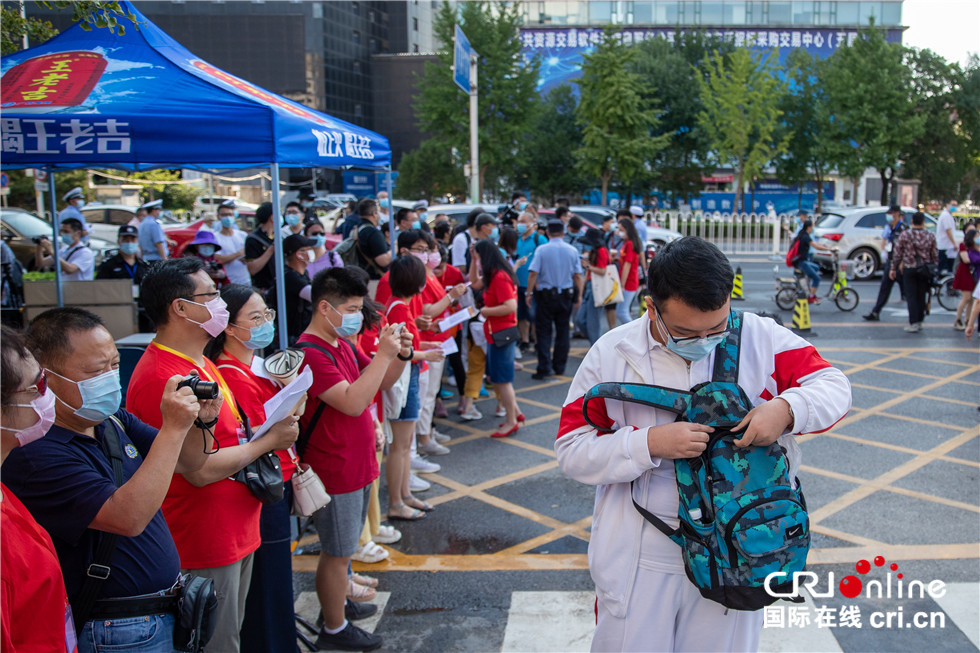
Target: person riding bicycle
x=803 y=262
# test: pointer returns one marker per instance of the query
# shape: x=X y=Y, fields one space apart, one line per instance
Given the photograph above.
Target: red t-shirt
x=627 y=255
x=33 y=603
x=367 y=344
x=501 y=288
x=214 y=525
x=341 y=449
x=251 y=392
x=601 y=260
x=451 y=277
x=383 y=297
x=433 y=292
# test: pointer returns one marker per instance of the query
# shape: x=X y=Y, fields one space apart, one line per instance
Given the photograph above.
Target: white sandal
x=370 y=553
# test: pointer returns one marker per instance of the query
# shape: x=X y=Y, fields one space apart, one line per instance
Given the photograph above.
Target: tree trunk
x=605 y=186
x=820 y=191
x=885 y=183
x=739 y=195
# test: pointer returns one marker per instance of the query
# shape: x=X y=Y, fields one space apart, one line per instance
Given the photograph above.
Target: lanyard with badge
x=211 y=370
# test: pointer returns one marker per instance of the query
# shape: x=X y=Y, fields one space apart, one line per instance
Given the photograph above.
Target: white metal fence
x=733 y=233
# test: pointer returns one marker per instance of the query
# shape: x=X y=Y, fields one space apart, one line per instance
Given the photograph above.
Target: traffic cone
x=801 y=315
x=737 y=285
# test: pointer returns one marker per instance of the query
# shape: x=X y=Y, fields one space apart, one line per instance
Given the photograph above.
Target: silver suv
x=857 y=233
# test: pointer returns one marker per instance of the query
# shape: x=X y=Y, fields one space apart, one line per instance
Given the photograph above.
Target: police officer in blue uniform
x=75 y=200
x=555 y=283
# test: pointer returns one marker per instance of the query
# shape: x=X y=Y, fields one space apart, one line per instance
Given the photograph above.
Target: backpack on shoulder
x=741 y=517
x=793 y=255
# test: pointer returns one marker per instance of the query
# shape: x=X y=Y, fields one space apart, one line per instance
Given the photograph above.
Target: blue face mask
x=205 y=250
x=101 y=396
x=424 y=216
x=67 y=239
x=350 y=323
x=521 y=228
x=228 y=222
x=417 y=224
x=261 y=336
x=502 y=252
x=691 y=349
x=129 y=249
x=586 y=248
x=319 y=240
x=292 y=219
x=495 y=234
x=383 y=203
x=522 y=206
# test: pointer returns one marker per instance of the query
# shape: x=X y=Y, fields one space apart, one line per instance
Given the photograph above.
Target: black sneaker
x=871 y=317
x=350 y=638
x=357 y=611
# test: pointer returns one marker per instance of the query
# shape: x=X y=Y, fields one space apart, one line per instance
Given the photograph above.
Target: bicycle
x=941 y=287
x=845 y=297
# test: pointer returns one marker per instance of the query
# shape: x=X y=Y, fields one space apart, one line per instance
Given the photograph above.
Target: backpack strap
x=98 y=570
x=728 y=350
x=304 y=437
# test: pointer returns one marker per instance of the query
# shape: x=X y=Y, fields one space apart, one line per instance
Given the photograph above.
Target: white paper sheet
x=280 y=406
x=458 y=317
x=448 y=346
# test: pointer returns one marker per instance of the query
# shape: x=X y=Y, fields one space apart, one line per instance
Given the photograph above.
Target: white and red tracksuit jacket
x=774 y=362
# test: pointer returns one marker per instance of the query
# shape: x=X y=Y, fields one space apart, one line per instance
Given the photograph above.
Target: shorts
x=340 y=522
x=500 y=362
x=413 y=404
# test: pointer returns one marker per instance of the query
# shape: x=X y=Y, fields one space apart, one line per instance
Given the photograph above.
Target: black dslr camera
x=201 y=389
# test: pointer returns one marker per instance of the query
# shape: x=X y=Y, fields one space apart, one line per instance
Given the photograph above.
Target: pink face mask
x=434 y=259
x=219 y=316
x=44 y=407
x=422 y=256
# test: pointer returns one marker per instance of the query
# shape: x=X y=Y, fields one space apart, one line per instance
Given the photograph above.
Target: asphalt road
x=500 y=563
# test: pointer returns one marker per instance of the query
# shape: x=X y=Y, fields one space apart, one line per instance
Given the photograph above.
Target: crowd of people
x=95 y=542
x=100 y=551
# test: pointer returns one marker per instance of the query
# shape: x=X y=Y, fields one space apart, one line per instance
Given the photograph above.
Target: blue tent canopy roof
x=141 y=100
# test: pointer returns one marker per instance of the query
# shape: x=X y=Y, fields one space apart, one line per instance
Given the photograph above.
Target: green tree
x=670 y=72
x=506 y=83
x=430 y=171
x=616 y=123
x=741 y=98
x=87 y=13
x=870 y=88
x=22 y=188
x=944 y=152
x=546 y=163
x=813 y=145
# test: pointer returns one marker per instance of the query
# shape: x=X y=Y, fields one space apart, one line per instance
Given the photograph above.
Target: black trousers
x=554 y=311
x=915 y=295
x=885 y=290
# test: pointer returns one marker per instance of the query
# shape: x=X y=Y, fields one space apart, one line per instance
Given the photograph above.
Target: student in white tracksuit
x=645 y=602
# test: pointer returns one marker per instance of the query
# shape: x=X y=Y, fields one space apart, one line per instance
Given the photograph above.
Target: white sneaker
x=472 y=414
x=451 y=380
x=517 y=354
x=441 y=438
x=914 y=328
x=500 y=412
x=433 y=448
x=416 y=484
x=370 y=553
x=423 y=466
x=388 y=534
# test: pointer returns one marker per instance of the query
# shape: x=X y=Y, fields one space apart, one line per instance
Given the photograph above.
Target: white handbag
x=606 y=288
x=309 y=495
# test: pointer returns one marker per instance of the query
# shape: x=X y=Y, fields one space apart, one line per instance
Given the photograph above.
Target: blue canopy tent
x=141 y=100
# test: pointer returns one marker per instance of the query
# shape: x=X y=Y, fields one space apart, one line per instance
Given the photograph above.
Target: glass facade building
x=694 y=13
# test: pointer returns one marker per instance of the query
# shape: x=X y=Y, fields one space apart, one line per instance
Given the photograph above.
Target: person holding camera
x=339 y=439
x=76 y=259
x=122 y=596
x=214 y=519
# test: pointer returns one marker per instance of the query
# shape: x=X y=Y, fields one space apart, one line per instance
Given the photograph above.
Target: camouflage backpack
x=740 y=517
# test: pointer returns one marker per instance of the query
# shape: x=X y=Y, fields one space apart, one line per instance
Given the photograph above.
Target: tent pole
x=280 y=263
x=391 y=212
x=55 y=235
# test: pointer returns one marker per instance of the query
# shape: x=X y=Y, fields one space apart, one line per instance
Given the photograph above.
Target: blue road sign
x=4 y=180
x=461 y=61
